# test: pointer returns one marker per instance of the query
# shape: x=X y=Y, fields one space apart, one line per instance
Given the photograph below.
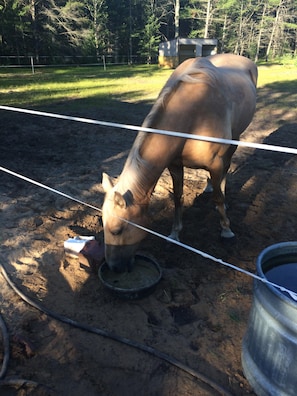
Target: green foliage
x=149 y=36
x=66 y=23
x=128 y=28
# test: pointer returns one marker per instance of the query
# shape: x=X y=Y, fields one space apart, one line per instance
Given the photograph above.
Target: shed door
x=186 y=51
x=208 y=50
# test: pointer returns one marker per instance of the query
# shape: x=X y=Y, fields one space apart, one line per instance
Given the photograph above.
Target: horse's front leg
x=177 y=174
x=219 y=184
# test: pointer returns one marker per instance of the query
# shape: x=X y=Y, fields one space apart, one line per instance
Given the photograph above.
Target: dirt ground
x=199 y=311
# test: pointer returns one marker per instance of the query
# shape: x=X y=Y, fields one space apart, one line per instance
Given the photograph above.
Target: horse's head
x=121 y=238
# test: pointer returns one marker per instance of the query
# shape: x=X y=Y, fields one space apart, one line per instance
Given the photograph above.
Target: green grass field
x=19 y=87
x=91 y=85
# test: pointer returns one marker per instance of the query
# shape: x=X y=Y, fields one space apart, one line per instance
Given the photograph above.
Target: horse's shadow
x=250 y=177
x=260 y=168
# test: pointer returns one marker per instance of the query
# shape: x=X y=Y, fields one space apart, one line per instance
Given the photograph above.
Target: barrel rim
x=286 y=247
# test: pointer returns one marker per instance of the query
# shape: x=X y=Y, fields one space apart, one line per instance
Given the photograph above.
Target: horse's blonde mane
x=200 y=71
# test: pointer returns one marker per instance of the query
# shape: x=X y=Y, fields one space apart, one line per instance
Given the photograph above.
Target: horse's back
x=233 y=80
x=241 y=76
x=235 y=63
x=228 y=62
x=212 y=96
x=224 y=83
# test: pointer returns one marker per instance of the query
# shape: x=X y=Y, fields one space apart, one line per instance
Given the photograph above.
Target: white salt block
x=74 y=245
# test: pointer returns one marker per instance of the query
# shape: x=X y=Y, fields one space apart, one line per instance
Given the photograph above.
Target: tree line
x=133 y=29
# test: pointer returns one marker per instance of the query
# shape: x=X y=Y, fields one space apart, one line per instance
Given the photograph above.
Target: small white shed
x=174 y=52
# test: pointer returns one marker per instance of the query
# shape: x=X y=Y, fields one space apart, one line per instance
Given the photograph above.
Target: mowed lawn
x=47 y=86
x=19 y=87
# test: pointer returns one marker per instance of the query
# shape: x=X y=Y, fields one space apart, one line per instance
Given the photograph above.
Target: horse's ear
x=119 y=200
x=107 y=183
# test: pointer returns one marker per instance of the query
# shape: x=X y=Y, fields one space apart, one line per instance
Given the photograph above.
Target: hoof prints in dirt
x=198 y=313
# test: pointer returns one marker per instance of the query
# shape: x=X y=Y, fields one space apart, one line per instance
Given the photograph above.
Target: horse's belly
x=201 y=155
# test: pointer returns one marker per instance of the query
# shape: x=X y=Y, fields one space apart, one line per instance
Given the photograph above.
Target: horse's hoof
x=208 y=190
x=174 y=235
x=229 y=241
x=227 y=233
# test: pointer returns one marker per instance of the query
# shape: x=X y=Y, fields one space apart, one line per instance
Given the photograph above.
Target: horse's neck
x=139 y=176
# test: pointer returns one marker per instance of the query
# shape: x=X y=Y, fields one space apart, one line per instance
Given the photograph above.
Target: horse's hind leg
x=177 y=174
x=219 y=199
x=218 y=180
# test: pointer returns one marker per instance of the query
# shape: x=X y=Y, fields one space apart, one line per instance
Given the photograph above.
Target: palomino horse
x=213 y=96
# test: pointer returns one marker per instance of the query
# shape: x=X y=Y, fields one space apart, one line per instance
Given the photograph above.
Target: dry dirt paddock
x=199 y=311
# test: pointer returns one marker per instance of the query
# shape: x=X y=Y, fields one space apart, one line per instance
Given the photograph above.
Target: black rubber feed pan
x=138 y=283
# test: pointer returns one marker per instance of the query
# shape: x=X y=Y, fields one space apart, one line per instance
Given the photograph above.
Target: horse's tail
x=254 y=75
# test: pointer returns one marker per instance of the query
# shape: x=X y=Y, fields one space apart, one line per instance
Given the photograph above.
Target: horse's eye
x=116 y=231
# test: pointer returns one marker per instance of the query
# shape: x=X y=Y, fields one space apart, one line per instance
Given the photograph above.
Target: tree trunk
x=207 y=20
x=274 y=28
x=260 y=32
x=224 y=34
x=96 y=31
x=176 y=18
x=239 y=36
x=34 y=29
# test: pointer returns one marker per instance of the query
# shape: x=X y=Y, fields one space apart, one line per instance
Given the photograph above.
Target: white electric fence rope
x=269 y=147
x=188 y=247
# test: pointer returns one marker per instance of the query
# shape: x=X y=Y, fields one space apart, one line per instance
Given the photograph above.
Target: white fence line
x=168 y=239
x=291 y=293
x=69 y=60
x=261 y=146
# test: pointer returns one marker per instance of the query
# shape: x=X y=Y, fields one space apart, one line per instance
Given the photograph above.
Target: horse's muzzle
x=120 y=258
